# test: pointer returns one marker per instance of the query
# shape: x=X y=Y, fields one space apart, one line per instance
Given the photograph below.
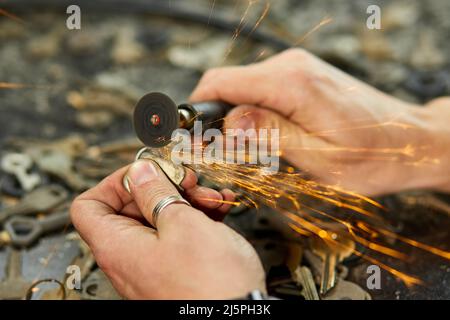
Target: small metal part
x=175 y=173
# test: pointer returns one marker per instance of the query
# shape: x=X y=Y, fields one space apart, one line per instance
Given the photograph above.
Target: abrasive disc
x=155 y=118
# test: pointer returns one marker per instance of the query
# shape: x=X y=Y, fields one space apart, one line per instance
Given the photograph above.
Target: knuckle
x=75 y=208
x=297 y=53
x=157 y=192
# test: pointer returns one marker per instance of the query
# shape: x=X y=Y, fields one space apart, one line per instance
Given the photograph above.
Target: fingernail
x=142 y=172
x=245 y=123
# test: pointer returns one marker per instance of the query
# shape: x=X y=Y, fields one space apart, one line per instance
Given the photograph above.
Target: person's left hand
x=189 y=256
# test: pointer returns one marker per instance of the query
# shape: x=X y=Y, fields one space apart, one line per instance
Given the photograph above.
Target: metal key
x=346 y=290
x=332 y=252
x=14 y=286
x=303 y=276
x=39 y=200
x=59 y=163
x=24 y=231
x=18 y=164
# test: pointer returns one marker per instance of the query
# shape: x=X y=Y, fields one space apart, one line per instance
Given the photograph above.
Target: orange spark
x=7 y=14
x=322 y=23
x=8 y=85
x=233 y=203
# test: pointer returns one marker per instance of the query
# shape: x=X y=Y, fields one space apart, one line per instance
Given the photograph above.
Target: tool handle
x=211 y=113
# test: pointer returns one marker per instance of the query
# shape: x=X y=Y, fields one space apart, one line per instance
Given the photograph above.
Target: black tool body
x=156 y=116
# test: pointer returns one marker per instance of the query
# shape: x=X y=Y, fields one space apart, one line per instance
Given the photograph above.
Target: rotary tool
x=156 y=117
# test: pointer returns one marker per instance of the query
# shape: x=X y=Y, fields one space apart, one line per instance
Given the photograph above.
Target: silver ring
x=164 y=203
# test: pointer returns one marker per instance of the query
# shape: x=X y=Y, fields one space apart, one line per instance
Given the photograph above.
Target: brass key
x=14 y=286
x=303 y=276
x=332 y=251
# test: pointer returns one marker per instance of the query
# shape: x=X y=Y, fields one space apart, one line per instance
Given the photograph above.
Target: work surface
x=87 y=82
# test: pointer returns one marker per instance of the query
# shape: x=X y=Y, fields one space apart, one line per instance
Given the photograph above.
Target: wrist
x=435 y=171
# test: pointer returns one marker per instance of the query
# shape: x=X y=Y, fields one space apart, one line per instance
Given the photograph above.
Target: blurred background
x=66 y=99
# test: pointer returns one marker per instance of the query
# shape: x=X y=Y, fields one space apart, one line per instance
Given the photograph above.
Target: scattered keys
x=332 y=252
x=39 y=200
x=18 y=164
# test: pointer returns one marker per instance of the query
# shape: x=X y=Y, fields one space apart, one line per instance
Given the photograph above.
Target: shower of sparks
x=322 y=23
x=11 y=16
x=261 y=18
x=242 y=24
x=298 y=198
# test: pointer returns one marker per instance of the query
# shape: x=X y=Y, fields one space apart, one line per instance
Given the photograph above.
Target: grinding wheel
x=155 y=118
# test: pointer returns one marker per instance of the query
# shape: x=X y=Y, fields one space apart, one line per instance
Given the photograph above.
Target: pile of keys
x=38 y=181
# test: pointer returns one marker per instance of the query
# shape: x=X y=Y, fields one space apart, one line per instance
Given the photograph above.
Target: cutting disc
x=155 y=118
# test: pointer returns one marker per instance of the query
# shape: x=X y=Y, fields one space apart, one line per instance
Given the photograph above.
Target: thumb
x=149 y=185
x=294 y=140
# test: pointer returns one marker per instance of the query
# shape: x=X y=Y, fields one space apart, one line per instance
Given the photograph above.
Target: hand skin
x=340 y=130
x=189 y=256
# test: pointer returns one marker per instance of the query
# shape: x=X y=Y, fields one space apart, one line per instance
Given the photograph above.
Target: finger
x=236 y=85
x=190 y=179
x=131 y=210
x=205 y=198
x=149 y=185
x=253 y=85
x=226 y=203
x=229 y=200
x=110 y=236
x=293 y=140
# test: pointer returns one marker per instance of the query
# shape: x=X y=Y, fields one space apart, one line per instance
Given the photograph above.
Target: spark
x=12 y=16
x=323 y=22
x=233 y=203
x=243 y=23
x=213 y=4
x=261 y=18
x=9 y=85
x=323 y=133
x=260 y=55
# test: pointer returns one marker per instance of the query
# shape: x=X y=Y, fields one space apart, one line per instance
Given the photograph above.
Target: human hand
x=333 y=126
x=189 y=256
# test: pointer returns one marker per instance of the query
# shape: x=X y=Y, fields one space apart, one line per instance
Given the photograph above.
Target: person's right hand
x=337 y=128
